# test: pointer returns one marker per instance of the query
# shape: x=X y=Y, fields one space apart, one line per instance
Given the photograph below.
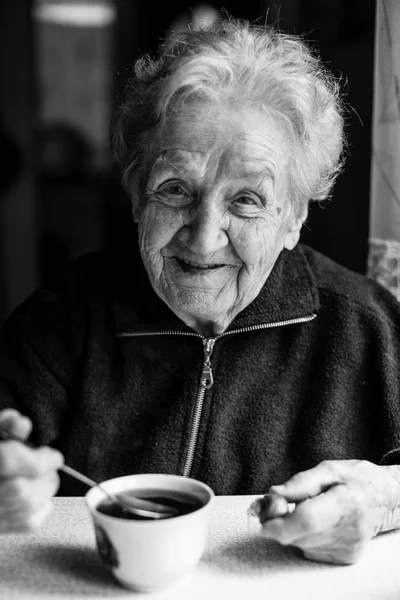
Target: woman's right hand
x=28 y=477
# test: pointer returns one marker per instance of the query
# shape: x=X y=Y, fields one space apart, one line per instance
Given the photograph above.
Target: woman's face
x=216 y=213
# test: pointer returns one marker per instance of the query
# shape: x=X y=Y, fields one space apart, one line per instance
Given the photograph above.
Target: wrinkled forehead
x=198 y=162
x=221 y=141
x=170 y=156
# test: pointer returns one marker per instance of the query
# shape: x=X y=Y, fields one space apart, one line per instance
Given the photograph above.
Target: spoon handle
x=81 y=477
x=140 y=506
x=129 y=502
x=87 y=481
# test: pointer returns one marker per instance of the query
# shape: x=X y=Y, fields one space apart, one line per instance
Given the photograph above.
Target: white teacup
x=148 y=555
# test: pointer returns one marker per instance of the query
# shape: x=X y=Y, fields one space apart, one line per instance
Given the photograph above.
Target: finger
x=11 y=421
x=335 y=555
x=18 y=459
x=310 y=483
x=25 y=522
x=270 y=506
x=44 y=489
x=322 y=516
x=22 y=494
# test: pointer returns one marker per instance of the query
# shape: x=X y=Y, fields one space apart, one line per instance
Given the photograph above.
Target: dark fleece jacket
x=286 y=395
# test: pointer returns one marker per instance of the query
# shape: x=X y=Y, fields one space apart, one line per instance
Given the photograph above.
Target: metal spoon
x=128 y=503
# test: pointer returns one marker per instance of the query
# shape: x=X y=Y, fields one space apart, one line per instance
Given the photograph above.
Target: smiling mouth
x=187 y=264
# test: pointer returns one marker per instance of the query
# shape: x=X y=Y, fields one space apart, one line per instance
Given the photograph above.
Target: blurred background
x=60 y=64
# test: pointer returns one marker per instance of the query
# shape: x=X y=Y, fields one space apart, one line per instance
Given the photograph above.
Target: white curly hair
x=233 y=60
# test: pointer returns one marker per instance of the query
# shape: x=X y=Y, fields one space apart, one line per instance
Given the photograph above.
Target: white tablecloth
x=60 y=561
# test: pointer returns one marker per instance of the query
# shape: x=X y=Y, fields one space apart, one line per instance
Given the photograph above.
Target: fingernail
x=277 y=489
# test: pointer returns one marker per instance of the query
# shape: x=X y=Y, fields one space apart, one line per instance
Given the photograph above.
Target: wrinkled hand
x=28 y=477
x=340 y=506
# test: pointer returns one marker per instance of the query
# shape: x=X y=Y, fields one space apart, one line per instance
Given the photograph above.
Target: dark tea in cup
x=183 y=504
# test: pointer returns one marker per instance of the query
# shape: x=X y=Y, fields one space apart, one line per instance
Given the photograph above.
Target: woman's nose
x=206 y=231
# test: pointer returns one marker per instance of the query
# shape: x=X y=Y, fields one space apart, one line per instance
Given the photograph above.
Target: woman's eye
x=174 y=194
x=175 y=189
x=246 y=205
x=246 y=200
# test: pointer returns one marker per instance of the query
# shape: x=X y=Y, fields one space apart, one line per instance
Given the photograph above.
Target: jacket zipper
x=206 y=382
x=206 y=378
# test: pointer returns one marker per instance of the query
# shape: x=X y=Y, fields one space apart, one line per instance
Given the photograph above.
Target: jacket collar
x=290 y=292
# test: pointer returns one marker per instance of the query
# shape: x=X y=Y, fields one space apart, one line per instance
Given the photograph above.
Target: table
x=60 y=562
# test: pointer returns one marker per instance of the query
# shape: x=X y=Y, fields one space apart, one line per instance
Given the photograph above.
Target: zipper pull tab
x=207 y=378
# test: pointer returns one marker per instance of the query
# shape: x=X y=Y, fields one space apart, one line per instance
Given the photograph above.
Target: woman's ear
x=292 y=235
x=135 y=211
x=136 y=205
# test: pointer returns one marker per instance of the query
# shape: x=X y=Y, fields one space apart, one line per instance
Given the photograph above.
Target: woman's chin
x=195 y=305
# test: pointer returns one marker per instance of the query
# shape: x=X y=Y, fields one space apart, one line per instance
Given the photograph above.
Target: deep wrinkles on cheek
x=248 y=235
x=150 y=254
x=241 y=232
x=157 y=226
x=258 y=260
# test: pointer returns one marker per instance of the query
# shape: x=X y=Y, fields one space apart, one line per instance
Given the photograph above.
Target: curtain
x=384 y=243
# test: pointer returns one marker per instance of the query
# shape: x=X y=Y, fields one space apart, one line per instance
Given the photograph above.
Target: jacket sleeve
x=386 y=364
x=41 y=349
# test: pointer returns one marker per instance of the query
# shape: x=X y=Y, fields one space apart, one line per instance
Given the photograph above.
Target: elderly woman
x=235 y=356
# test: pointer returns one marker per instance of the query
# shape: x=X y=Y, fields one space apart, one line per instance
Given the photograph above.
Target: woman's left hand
x=340 y=506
